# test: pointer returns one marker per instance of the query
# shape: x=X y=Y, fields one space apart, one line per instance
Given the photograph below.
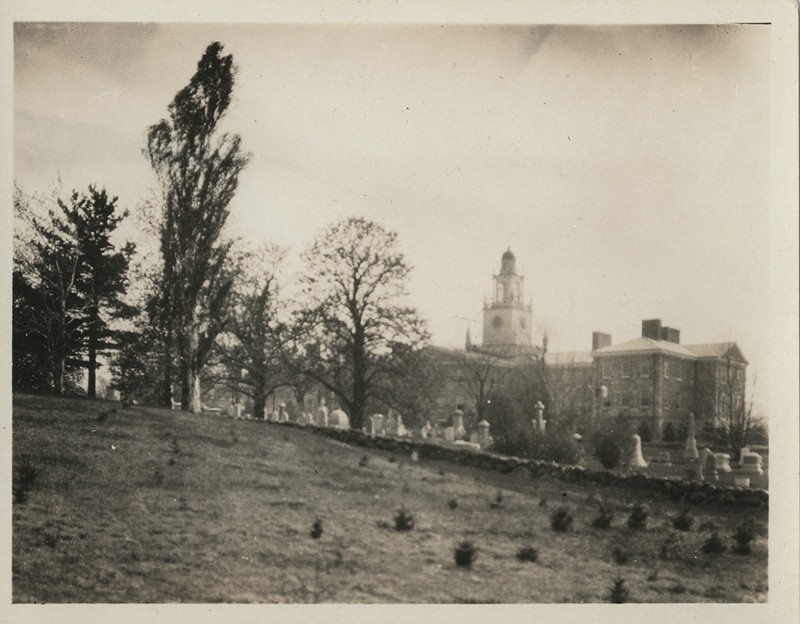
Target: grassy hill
x=149 y=505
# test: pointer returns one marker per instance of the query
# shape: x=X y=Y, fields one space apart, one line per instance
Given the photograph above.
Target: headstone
x=401 y=428
x=458 y=424
x=751 y=463
x=322 y=415
x=635 y=459
x=275 y=415
x=176 y=405
x=484 y=439
x=338 y=419
x=415 y=456
x=425 y=430
x=690 y=450
x=237 y=410
x=390 y=426
x=449 y=434
x=662 y=457
x=540 y=421
x=723 y=462
x=376 y=425
x=744 y=451
x=707 y=465
x=283 y=416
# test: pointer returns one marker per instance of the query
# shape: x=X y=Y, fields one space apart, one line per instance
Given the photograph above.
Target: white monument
x=690 y=450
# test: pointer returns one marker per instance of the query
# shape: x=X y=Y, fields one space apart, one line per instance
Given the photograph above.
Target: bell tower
x=506 y=319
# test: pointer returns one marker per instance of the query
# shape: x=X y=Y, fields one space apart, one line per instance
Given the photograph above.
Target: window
x=644 y=399
x=665 y=400
x=627 y=399
x=690 y=372
x=645 y=368
x=605 y=367
x=666 y=368
x=677 y=366
x=500 y=291
x=678 y=401
x=627 y=368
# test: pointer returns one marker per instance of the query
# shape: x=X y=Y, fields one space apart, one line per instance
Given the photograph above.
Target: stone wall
x=695 y=492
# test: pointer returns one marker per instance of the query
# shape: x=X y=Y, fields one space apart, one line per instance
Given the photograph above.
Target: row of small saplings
x=465 y=552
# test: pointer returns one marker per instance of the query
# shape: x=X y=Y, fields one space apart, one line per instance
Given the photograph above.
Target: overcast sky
x=626 y=167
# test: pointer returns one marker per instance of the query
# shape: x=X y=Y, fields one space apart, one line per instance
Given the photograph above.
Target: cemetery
x=238 y=510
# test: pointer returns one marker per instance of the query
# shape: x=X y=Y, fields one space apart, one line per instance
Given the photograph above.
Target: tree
x=357 y=334
x=254 y=341
x=92 y=218
x=736 y=413
x=198 y=170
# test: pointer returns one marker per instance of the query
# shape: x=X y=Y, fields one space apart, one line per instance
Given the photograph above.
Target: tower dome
x=508 y=264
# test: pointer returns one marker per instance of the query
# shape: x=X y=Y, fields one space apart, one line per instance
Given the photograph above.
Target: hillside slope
x=154 y=505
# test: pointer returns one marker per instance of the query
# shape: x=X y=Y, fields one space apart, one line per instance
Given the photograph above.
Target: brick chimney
x=652 y=329
x=671 y=334
x=600 y=340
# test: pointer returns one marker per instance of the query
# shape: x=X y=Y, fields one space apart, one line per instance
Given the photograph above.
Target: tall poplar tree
x=198 y=169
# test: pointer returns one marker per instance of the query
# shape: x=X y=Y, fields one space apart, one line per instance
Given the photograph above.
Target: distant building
x=653 y=378
x=507 y=321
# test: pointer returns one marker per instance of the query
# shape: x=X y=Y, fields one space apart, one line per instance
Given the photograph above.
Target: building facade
x=653 y=379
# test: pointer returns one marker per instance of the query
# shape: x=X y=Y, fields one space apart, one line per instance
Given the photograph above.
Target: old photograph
x=459 y=313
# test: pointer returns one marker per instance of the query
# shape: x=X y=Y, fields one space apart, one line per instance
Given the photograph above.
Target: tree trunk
x=197 y=399
x=166 y=388
x=259 y=404
x=186 y=384
x=91 y=390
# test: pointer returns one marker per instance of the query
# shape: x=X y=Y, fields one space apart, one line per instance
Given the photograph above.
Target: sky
x=627 y=167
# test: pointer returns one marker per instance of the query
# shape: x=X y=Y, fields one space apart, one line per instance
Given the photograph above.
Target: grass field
x=160 y=506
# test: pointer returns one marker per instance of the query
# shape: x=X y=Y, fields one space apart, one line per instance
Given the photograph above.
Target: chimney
x=670 y=334
x=652 y=329
x=600 y=340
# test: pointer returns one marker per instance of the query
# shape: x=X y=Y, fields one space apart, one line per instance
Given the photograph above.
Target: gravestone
x=751 y=463
x=338 y=419
x=283 y=416
x=425 y=430
x=458 y=424
x=663 y=457
x=390 y=426
x=401 y=428
x=321 y=419
x=724 y=463
x=690 y=450
x=237 y=410
x=484 y=439
x=707 y=465
x=635 y=459
x=449 y=434
x=376 y=425
x=540 y=422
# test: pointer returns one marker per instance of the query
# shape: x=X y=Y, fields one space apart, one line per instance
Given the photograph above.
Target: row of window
x=730 y=375
x=644 y=399
x=627 y=368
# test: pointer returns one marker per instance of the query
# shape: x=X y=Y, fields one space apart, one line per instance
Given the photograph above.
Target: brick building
x=653 y=378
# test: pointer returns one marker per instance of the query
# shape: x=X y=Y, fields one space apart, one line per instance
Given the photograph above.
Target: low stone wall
x=695 y=492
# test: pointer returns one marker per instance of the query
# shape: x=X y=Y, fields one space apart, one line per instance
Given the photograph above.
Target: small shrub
x=543 y=503
x=174 y=446
x=452 y=503
x=744 y=535
x=22 y=484
x=465 y=554
x=607 y=448
x=382 y=524
x=392 y=459
x=620 y=555
x=171 y=461
x=158 y=477
x=316 y=529
x=102 y=417
x=498 y=502
x=555 y=445
x=619 y=593
x=561 y=520
x=684 y=521
x=708 y=526
x=638 y=518
x=403 y=520
x=528 y=553
x=603 y=520
x=713 y=545
x=363 y=461
x=672 y=548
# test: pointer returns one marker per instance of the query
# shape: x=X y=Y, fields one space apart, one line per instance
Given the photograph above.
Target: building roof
x=568 y=358
x=716 y=350
x=645 y=345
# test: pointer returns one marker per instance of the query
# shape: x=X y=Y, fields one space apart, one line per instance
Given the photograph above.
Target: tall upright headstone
x=322 y=414
x=690 y=450
x=458 y=424
x=635 y=458
x=540 y=422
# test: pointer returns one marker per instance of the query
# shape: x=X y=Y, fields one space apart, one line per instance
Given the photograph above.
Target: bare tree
x=254 y=341
x=198 y=170
x=353 y=323
x=736 y=413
